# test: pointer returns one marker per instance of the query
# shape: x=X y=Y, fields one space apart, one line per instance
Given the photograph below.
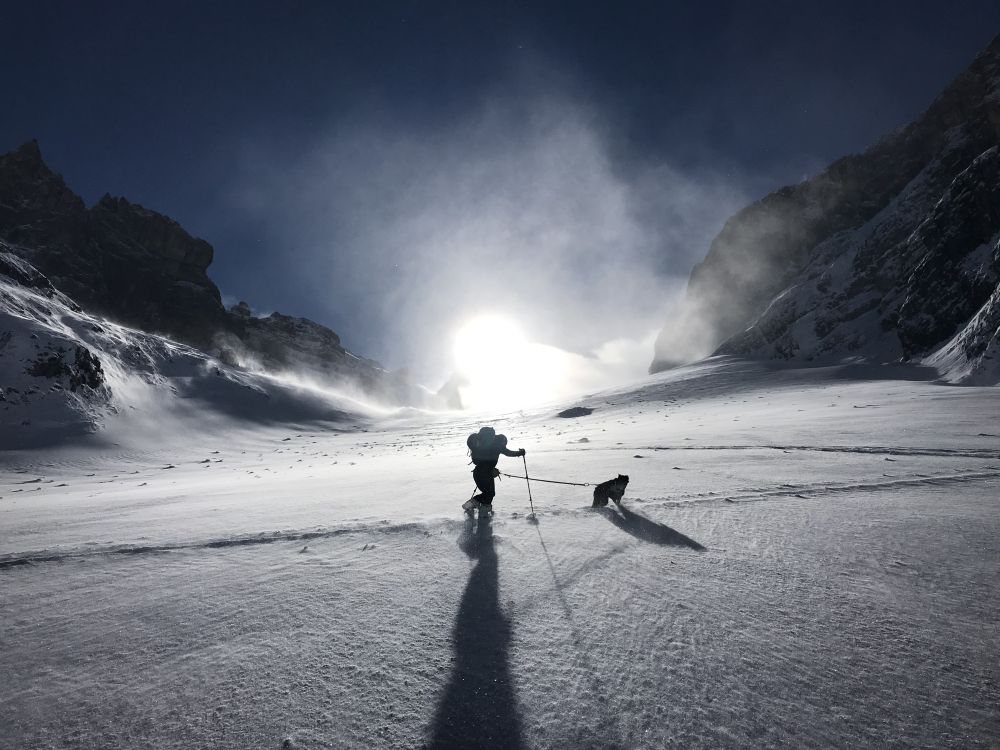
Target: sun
x=491 y=356
x=489 y=343
x=500 y=367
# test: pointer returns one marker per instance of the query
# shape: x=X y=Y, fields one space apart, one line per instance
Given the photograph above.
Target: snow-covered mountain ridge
x=64 y=373
x=888 y=255
x=141 y=269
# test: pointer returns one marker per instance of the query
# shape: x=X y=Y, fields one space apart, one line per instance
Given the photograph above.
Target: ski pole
x=528 y=481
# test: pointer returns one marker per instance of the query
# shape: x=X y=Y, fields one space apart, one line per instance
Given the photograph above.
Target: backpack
x=479 y=443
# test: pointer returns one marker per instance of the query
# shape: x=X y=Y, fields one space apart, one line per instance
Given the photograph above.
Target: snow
x=972 y=355
x=804 y=558
x=152 y=386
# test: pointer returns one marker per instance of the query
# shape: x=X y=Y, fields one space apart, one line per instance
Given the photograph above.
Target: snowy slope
x=65 y=373
x=122 y=261
x=805 y=558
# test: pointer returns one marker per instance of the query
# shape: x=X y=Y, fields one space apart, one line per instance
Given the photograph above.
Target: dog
x=613 y=489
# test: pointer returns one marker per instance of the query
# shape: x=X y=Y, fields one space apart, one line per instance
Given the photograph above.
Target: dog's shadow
x=647 y=530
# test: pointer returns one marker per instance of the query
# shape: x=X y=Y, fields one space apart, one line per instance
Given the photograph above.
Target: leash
x=547 y=481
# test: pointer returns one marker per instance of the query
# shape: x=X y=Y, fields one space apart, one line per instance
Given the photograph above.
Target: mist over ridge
x=887 y=255
x=517 y=210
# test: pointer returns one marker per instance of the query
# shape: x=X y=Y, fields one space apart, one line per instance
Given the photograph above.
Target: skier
x=485 y=448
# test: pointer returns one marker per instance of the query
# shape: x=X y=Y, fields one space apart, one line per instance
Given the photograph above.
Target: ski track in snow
x=750 y=495
x=786 y=570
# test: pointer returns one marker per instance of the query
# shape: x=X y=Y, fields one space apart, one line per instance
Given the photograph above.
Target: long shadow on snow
x=479 y=709
x=648 y=531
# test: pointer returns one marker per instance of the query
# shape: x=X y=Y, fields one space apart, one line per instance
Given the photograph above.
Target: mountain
x=66 y=374
x=888 y=255
x=138 y=268
x=116 y=258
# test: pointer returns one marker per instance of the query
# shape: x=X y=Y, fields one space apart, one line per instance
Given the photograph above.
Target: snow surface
x=804 y=558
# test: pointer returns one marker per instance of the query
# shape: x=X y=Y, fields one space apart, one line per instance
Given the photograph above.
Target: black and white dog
x=613 y=489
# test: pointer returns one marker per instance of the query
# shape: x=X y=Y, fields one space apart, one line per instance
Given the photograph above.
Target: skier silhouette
x=485 y=448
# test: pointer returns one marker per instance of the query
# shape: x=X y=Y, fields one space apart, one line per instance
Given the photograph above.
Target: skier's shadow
x=478 y=709
x=648 y=531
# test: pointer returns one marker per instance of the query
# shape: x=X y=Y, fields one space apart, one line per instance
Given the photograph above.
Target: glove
x=522 y=451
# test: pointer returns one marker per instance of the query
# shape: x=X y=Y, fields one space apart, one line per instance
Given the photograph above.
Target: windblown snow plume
x=64 y=374
x=516 y=209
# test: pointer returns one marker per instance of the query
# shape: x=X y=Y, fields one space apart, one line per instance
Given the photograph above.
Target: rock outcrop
x=283 y=343
x=116 y=259
x=84 y=370
x=139 y=268
x=887 y=255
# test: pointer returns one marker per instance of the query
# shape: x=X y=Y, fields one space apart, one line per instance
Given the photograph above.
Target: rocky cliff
x=887 y=255
x=116 y=259
x=139 y=268
x=283 y=343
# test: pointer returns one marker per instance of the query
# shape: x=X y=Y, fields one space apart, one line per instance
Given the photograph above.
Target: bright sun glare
x=500 y=368
x=487 y=343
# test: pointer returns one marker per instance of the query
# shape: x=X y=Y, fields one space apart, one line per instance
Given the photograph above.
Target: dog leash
x=547 y=481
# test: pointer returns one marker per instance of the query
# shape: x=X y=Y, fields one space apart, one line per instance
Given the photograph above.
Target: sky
x=393 y=169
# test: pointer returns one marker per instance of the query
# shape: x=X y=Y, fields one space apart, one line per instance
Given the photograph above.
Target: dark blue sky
x=175 y=105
